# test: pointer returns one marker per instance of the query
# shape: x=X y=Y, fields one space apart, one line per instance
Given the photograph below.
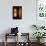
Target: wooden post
x=5 y=39
x=17 y=39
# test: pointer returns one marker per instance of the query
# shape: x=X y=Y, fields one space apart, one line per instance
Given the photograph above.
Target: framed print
x=41 y=8
x=17 y=12
x=41 y=12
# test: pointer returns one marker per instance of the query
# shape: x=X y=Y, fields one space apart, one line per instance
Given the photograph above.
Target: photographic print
x=17 y=12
